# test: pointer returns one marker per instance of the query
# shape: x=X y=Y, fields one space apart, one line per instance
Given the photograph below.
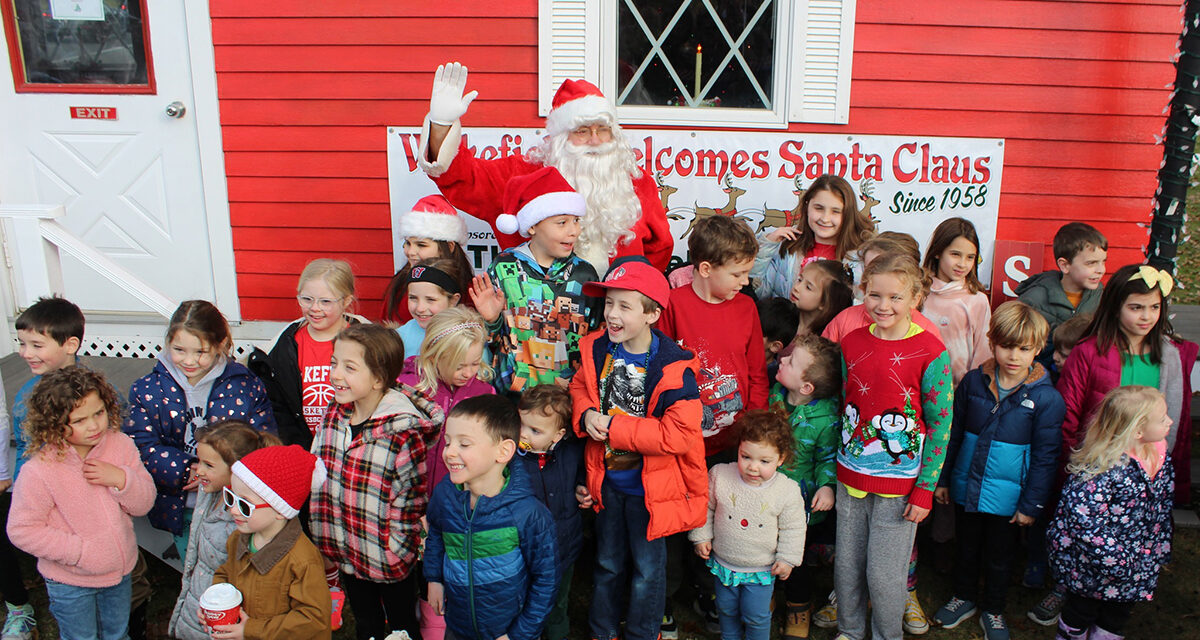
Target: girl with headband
x=433 y=286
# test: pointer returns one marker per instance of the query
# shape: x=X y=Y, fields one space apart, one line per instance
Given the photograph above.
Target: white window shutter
x=822 y=51
x=568 y=45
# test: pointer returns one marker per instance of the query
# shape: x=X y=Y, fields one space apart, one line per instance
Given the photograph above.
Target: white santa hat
x=435 y=218
x=282 y=476
x=536 y=196
x=578 y=101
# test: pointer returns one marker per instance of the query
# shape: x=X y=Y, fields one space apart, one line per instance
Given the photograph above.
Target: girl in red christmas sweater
x=896 y=424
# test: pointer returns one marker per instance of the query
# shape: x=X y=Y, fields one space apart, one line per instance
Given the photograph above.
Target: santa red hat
x=435 y=218
x=533 y=197
x=578 y=101
x=282 y=476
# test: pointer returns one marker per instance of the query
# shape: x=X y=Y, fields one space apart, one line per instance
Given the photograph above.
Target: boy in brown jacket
x=278 y=570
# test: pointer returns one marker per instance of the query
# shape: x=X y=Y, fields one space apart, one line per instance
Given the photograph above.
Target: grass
x=1173 y=613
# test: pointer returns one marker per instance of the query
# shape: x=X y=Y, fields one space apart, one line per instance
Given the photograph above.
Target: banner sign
x=905 y=183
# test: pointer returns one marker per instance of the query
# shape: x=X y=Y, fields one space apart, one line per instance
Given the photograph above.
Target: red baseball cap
x=633 y=276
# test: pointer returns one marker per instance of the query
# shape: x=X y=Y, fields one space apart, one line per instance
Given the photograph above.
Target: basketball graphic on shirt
x=320 y=393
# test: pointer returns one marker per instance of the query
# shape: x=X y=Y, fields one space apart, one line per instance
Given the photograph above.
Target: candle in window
x=699 y=58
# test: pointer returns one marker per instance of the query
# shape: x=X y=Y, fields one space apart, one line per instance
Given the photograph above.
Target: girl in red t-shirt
x=296 y=371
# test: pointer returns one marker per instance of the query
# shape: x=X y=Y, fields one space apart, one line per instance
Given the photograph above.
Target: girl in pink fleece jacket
x=74 y=502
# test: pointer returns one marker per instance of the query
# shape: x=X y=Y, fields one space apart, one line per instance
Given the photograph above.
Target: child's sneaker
x=669 y=630
x=994 y=627
x=339 y=598
x=796 y=626
x=20 y=623
x=1046 y=612
x=915 y=621
x=706 y=608
x=826 y=616
x=953 y=613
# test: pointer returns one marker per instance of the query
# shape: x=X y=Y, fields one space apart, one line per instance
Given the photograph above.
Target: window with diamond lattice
x=662 y=51
x=754 y=63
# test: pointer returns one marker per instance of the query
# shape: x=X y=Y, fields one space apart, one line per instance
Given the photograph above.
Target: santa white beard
x=603 y=175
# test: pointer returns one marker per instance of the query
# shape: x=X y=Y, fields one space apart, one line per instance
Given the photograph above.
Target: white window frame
x=578 y=39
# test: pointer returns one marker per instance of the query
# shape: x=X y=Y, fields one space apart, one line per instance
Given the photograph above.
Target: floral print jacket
x=1112 y=532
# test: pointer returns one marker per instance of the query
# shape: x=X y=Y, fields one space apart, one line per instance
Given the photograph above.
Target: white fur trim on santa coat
x=446 y=153
x=564 y=118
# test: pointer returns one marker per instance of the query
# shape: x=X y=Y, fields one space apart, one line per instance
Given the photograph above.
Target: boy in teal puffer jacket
x=490 y=554
x=1000 y=463
x=808 y=390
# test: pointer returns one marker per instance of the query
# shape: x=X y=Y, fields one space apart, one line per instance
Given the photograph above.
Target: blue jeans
x=621 y=541
x=91 y=613
x=746 y=606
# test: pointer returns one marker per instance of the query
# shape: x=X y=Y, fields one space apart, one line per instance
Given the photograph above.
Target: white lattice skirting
x=143 y=347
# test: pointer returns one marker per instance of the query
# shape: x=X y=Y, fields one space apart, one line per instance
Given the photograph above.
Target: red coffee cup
x=220 y=604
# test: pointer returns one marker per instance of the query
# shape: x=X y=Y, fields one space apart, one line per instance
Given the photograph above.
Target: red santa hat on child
x=435 y=218
x=533 y=197
x=578 y=101
x=282 y=476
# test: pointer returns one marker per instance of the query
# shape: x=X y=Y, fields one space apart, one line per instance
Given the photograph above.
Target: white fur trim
x=266 y=493
x=446 y=154
x=562 y=119
x=435 y=226
x=555 y=203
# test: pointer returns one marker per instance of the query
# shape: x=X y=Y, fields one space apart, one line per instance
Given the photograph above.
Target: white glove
x=447 y=103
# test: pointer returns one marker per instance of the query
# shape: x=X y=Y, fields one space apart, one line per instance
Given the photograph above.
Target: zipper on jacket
x=469 y=512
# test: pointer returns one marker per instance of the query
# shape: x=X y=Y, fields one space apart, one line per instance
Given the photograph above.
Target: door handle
x=176 y=109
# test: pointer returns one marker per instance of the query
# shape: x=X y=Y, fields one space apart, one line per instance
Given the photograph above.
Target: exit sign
x=94 y=113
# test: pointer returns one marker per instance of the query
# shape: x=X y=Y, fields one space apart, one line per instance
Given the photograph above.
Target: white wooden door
x=132 y=186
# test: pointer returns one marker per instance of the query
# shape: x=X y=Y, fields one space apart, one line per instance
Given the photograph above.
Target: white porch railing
x=33 y=248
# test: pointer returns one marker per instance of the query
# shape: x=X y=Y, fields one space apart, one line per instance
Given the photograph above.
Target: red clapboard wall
x=1077 y=89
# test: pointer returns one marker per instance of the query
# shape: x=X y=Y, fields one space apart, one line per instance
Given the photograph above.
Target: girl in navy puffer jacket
x=195 y=382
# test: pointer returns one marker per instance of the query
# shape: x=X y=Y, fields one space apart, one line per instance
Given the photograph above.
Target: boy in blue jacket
x=490 y=554
x=1001 y=460
x=553 y=459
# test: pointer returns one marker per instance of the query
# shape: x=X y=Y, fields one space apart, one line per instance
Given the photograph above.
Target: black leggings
x=381 y=607
x=1081 y=613
x=798 y=587
x=12 y=586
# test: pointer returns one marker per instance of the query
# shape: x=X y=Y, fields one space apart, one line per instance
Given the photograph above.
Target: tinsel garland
x=1179 y=144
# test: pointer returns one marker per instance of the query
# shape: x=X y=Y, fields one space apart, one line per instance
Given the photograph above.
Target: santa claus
x=583 y=141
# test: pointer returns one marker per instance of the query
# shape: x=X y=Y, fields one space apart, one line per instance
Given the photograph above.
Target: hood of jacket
x=401 y=401
x=197 y=394
x=955 y=289
x=1038 y=375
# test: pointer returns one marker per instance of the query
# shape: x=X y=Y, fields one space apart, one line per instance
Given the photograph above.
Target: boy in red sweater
x=711 y=318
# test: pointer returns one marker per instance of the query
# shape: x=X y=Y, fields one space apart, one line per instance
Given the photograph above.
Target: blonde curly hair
x=55 y=396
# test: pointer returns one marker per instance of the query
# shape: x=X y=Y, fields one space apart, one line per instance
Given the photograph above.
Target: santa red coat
x=477 y=187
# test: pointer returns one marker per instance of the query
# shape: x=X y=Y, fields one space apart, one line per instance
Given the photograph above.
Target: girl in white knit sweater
x=755 y=527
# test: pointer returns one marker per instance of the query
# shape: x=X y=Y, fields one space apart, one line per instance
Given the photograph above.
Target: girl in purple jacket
x=450 y=369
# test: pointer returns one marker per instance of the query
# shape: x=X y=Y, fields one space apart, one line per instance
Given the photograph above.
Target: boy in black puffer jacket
x=553 y=460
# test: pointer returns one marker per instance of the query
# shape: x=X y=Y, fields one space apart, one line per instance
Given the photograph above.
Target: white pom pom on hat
x=533 y=197
x=283 y=476
x=435 y=218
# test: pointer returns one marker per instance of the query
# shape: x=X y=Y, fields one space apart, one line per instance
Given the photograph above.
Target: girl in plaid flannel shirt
x=366 y=519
